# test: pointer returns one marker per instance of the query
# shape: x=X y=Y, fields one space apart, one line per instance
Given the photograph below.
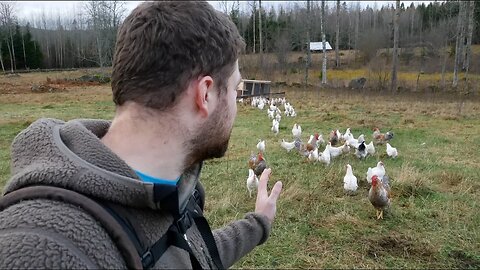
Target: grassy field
x=434 y=220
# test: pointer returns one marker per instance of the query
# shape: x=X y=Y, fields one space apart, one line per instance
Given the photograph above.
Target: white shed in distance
x=318 y=46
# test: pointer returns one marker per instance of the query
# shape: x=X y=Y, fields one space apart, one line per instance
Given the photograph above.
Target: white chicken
x=310 y=139
x=261 y=105
x=339 y=134
x=369 y=175
x=355 y=142
x=361 y=150
x=346 y=134
x=320 y=140
x=337 y=151
x=313 y=156
x=287 y=145
x=261 y=146
x=350 y=181
x=379 y=171
x=391 y=151
x=334 y=151
x=275 y=127
x=350 y=140
x=278 y=117
x=297 y=131
x=254 y=102
x=361 y=138
x=370 y=148
x=325 y=156
x=252 y=182
x=271 y=114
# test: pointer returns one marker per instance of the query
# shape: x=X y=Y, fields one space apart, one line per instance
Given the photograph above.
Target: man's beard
x=212 y=139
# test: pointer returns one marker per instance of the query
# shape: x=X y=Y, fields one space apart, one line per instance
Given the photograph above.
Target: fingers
x=277 y=188
x=262 y=185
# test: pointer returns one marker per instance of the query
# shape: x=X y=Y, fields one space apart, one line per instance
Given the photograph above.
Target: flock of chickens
x=336 y=145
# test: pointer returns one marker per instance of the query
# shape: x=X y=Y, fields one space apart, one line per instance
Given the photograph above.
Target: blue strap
x=151 y=179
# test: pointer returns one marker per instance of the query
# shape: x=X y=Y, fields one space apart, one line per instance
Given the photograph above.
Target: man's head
x=162 y=45
x=212 y=137
x=171 y=55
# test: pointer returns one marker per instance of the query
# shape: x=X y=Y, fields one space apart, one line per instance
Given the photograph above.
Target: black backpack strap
x=126 y=223
x=114 y=229
x=171 y=238
x=176 y=235
x=202 y=224
x=150 y=255
x=209 y=240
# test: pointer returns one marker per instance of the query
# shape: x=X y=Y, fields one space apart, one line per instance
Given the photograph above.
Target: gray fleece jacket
x=44 y=233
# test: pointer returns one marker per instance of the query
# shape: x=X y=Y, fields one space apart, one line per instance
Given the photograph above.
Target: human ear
x=203 y=94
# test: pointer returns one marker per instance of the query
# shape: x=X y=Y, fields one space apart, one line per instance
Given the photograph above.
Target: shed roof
x=318 y=46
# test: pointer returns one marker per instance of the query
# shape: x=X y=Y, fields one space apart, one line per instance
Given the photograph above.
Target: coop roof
x=318 y=46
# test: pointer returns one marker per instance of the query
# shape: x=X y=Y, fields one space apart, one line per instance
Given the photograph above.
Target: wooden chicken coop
x=250 y=88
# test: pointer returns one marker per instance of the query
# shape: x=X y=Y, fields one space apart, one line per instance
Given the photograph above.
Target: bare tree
x=357 y=22
x=395 y=47
x=412 y=20
x=93 y=10
x=254 y=29
x=1 y=58
x=1 y=53
x=224 y=6
x=46 y=44
x=104 y=18
x=115 y=12
x=459 y=41
x=308 y=58
x=260 y=27
x=337 y=35
x=59 y=43
x=24 y=53
x=470 y=26
x=322 y=26
x=8 y=17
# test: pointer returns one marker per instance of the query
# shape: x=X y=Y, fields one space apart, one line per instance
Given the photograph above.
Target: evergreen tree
x=32 y=50
x=18 y=47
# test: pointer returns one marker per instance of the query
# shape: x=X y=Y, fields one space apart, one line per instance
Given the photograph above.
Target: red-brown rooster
x=333 y=139
x=257 y=164
x=379 y=194
x=312 y=144
x=381 y=138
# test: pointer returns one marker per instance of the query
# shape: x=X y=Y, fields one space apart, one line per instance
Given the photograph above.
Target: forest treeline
x=87 y=38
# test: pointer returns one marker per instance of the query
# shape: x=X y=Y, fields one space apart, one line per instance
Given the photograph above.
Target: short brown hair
x=162 y=45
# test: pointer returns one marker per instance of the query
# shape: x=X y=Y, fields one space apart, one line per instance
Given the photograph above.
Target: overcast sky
x=27 y=9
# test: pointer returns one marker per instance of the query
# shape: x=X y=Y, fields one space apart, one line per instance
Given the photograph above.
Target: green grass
x=433 y=222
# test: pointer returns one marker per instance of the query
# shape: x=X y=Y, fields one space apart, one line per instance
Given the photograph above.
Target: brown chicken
x=257 y=164
x=313 y=144
x=251 y=161
x=379 y=194
x=381 y=138
x=333 y=138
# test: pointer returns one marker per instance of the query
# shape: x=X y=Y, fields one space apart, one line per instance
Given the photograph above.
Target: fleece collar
x=71 y=155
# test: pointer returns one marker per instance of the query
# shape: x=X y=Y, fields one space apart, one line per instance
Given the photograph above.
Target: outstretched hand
x=267 y=204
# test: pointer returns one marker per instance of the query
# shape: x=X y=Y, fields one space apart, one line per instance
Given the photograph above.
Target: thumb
x=277 y=188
